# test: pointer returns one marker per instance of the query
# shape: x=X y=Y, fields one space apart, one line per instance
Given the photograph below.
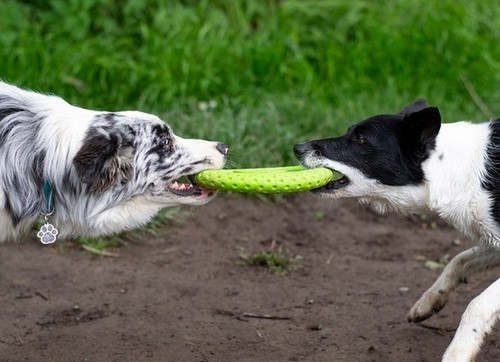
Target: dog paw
x=47 y=234
x=429 y=303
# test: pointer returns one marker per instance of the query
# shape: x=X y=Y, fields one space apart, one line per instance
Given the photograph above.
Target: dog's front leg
x=477 y=321
x=457 y=271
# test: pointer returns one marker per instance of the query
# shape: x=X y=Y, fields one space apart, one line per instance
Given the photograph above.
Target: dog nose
x=301 y=148
x=222 y=148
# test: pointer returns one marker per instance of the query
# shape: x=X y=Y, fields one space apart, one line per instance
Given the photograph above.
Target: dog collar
x=48 y=232
x=48 y=200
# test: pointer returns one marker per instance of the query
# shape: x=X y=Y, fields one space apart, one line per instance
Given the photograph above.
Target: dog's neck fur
x=452 y=186
x=455 y=172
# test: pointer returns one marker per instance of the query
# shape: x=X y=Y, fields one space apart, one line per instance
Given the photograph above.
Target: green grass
x=279 y=72
x=276 y=261
x=97 y=246
x=260 y=75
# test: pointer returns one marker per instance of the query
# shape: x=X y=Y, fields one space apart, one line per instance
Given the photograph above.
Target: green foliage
x=98 y=245
x=272 y=72
x=274 y=260
x=260 y=75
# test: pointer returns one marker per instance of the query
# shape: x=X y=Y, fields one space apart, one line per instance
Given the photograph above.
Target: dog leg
x=457 y=271
x=477 y=321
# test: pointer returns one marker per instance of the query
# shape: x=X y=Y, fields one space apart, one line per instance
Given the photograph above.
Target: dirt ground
x=186 y=295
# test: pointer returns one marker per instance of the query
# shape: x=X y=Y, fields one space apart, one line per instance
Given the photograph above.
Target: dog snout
x=222 y=148
x=302 y=148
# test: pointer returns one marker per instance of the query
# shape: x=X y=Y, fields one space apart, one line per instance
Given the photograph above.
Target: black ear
x=415 y=106
x=105 y=159
x=421 y=129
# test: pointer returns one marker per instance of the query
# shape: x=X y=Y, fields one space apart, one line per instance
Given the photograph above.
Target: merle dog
x=94 y=172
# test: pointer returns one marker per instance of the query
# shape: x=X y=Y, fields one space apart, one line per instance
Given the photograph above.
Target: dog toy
x=266 y=180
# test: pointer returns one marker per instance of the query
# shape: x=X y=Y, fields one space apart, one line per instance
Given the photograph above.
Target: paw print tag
x=47 y=233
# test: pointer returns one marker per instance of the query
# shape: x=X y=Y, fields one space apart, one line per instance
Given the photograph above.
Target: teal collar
x=48 y=233
x=48 y=205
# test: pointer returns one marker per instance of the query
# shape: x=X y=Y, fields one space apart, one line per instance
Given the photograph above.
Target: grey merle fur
x=109 y=171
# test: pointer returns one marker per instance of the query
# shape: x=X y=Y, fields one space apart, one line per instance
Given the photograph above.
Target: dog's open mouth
x=333 y=185
x=185 y=186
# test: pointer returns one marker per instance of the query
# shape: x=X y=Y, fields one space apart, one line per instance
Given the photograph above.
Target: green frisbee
x=266 y=180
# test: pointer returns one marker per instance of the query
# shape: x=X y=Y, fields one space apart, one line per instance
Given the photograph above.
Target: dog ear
x=105 y=159
x=421 y=129
x=415 y=106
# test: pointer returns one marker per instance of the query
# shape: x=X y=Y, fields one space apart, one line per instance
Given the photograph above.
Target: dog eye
x=360 y=139
x=167 y=144
x=165 y=140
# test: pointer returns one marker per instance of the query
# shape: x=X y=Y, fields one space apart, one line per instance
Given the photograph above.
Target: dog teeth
x=180 y=186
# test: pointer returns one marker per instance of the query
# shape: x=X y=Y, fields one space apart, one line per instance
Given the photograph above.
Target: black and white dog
x=95 y=173
x=410 y=162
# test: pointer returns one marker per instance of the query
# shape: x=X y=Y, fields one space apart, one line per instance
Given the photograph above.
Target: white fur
x=477 y=321
x=33 y=123
x=451 y=189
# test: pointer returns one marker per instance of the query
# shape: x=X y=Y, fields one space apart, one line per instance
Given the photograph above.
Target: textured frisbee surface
x=266 y=180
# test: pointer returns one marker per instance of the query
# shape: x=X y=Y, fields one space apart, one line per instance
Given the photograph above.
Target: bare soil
x=187 y=295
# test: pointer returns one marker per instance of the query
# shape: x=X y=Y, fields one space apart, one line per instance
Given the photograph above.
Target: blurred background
x=260 y=75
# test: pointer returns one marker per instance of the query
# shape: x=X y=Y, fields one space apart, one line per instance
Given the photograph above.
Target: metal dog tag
x=47 y=233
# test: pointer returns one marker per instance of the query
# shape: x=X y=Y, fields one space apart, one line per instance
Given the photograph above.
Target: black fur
x=95 y=162
x=163 y=142
x=27 y=126
x=387 y=148
x=98 y=164
x=461 y=184
x=8 y=110
x=491 y=182
x=416 y=106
